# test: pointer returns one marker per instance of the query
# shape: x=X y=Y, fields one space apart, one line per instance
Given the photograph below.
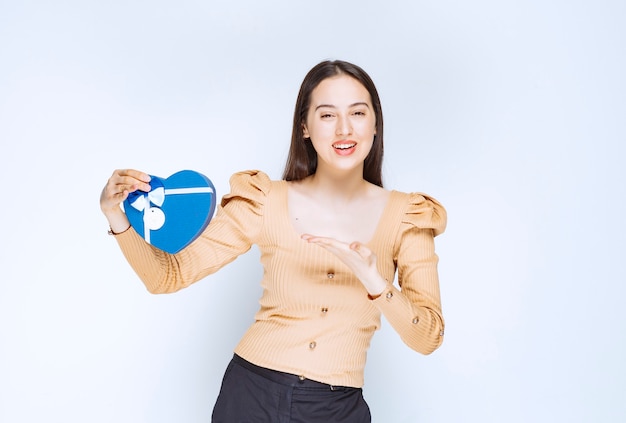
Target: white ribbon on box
x=153 y=217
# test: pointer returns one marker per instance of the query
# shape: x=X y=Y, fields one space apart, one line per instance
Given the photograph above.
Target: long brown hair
x=302 y=158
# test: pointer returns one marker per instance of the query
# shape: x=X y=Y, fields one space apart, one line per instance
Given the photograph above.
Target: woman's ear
x=305 y=132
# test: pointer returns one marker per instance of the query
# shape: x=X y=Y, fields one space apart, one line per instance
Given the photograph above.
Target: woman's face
x=340 y=123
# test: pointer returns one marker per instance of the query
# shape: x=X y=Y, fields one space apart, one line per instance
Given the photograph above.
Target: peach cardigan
x=315 y=318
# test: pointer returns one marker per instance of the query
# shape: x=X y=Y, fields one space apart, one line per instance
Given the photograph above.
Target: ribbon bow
x=141 y=200
x=153 y=217
x=155 y=196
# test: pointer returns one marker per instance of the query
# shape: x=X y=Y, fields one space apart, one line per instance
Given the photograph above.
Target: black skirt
x=253 y=394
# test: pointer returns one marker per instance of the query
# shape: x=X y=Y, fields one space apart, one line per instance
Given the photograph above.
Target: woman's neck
x=340 y=186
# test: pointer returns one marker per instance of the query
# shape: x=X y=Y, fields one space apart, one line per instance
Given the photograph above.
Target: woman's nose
x=344 y=126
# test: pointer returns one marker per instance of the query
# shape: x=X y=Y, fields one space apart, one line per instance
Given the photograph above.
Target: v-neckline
x=379 y=226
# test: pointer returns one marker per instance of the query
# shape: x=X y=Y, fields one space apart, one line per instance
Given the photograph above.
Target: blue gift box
x=175 y=211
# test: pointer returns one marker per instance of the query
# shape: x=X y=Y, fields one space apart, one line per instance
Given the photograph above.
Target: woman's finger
x=134 y=174
x=361 y=249
x=130 y=179
x=121 y=183
x=357 y=256
x=353 y=253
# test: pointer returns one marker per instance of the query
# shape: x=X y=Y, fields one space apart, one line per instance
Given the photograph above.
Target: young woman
x=331 y=239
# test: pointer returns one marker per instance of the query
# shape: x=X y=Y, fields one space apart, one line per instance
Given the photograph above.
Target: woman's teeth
x=344 y=146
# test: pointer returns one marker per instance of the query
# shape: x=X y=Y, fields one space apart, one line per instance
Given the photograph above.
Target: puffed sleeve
x=415 y=310
x=231 y=232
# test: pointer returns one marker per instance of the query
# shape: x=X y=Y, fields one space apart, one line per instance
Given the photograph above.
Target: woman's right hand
x=121 y=183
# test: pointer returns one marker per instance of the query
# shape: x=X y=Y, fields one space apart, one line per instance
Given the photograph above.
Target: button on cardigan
x=300 y=279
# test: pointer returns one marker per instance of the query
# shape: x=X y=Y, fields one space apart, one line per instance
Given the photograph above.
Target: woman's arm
x=231 y=232
x=415 y=311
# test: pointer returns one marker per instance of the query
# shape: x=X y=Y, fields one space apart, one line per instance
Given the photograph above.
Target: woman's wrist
x=118 y=222
x=375 y=287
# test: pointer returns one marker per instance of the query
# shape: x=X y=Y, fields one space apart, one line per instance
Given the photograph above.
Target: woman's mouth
x=344 y=148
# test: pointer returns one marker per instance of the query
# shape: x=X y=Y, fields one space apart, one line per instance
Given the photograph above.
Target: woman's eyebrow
x=331 y=106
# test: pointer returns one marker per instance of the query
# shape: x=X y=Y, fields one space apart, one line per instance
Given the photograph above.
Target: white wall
x=509 y=112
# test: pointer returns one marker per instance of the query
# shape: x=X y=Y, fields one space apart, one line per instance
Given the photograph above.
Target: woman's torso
x=315 y=318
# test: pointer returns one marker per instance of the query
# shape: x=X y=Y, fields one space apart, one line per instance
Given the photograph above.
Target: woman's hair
x=302 y=158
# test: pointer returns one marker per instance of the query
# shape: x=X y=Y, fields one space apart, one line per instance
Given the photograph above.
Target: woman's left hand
x=358 y=257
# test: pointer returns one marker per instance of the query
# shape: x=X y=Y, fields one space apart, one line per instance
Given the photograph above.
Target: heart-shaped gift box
x=175 y=211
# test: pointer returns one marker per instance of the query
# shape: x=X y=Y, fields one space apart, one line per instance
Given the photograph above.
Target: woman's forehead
x=340 y=90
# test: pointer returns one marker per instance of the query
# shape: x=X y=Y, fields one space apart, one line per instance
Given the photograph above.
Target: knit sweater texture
x=315 y=318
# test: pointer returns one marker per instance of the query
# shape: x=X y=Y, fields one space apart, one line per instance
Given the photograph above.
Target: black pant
x=253 y=394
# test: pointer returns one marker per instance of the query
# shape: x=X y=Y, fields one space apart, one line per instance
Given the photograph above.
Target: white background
x=511 y=113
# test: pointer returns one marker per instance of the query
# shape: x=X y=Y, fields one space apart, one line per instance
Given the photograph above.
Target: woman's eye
x=326 y=115
x=359 y=113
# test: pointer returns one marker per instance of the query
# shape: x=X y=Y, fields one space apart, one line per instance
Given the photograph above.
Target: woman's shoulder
x=255 y=180
x=422 y=211
x=250 y=176
x=252 y=185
